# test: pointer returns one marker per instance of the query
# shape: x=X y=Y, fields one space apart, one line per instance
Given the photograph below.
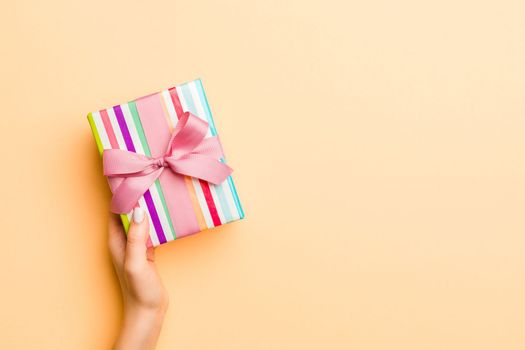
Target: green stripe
x=123 y=217
x=157 y=184
x=144 y=142
x=138 y=125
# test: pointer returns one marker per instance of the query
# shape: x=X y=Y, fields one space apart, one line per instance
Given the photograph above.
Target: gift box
x=161 y=152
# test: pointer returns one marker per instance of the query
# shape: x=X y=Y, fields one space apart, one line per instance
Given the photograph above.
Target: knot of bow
x=188 y=153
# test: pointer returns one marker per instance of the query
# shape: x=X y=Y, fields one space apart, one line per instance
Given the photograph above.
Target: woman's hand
x=145 y=298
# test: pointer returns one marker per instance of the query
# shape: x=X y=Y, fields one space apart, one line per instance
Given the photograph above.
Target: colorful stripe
x=176 y=101
x=172 y=118
x=114 y=140
x=202 y=202
x=147 y=195
x=171 y=100
x=166 y=112
x=108 y=140
x=158 y=134
x=218 y=191
x=109 y=129
x=100 y=148
x=196 y=205
x=222 y=194
x=209 y=117
x=117 y=141
x=207 y=189
x=141 y=146
x=211 y=204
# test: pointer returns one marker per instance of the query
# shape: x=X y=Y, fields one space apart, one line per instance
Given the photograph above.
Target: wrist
x=147 y=314
x=152 y=305
x=141 y=326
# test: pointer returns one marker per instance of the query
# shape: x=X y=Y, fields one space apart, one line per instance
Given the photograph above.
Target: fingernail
x=138 y=215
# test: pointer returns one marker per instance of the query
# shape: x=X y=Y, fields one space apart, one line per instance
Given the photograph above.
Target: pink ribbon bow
x=188 y=153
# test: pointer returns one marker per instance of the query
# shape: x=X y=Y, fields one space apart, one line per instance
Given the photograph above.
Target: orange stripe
x=165 y=109
x=189 y=184
x=195 y=202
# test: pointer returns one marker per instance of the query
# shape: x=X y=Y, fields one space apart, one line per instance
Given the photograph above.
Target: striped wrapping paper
x=120 y=127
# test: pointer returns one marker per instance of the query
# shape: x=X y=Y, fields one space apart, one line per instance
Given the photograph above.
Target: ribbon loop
x=188 y=153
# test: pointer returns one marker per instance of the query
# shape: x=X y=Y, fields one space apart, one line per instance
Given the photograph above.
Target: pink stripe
x=176 y=102
x=113 y=182
x=109 y=129
x=211 y=204
x=157 y=133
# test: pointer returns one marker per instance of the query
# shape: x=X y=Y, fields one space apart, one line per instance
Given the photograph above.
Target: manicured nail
x=138 y=215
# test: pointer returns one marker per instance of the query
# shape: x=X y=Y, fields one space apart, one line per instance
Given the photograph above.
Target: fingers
x=138 y=234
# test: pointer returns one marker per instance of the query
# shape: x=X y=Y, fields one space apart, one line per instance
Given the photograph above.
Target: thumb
x=137 y=237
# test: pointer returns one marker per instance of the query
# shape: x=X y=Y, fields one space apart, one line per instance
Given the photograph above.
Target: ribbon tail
x=202 y=167
x=127 y=194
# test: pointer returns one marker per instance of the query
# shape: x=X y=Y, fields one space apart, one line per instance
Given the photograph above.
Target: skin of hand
x=144 y=296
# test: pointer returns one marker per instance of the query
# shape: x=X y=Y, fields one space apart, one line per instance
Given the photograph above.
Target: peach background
x=378 y=148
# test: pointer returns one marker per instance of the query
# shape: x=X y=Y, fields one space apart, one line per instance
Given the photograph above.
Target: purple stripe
x=124 y=128
x=154 y=217
x=147 y=195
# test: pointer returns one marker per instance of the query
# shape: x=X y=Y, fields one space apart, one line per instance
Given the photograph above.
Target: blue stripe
x=191 y=107
x=200 y=90
x=224 y=204
x=186 y=93
x=202 y=95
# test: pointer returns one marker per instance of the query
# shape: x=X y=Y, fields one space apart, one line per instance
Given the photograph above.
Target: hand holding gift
x=145 y=298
